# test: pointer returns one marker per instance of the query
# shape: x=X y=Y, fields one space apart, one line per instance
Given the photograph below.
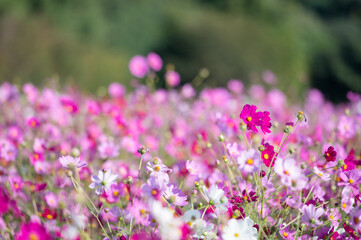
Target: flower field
x=224 y=163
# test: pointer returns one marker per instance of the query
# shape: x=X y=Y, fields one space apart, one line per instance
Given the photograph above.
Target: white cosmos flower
x=103 y=181
x=191 y=215
x=241 y=229
x=169 y=226
x=215 y=197
x=204 y=230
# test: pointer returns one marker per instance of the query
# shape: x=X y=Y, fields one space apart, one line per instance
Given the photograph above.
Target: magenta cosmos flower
x=255 y=119
x=71 y=162
x=138 y=66
x=33 y=231
x=155 y=61
x=172 y=78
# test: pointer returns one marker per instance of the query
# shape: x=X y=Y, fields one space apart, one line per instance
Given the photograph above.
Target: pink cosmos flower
x=355 y=219
x=51 y=199
x=69 y=162
x=175 y=196
x=346 y=127
x=33 y=231
x=291 y=175
x=154 y=188
x=334 y=216
x=140 y=212
x=287 y=233
x=33 y=122
x=158 y=169
x=311 y=215
x=233 y=149
x=188 y=91
x=172 y=78
x=322 y=175
x=249 y=161
x=116 y=90
x=138 y=66
x=8 y=151
x=155 y=61
x=108 y=149
x=235 y=86
x=351 y=178
x=193 y=167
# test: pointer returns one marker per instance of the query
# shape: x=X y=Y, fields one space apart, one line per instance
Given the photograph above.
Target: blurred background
x=305 y=43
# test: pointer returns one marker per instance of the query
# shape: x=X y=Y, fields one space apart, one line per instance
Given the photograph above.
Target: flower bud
x=196 y=184
x=287 y=129
x=69 y=173
x=142 y=150
x=129 y=180
x=221 y=138
x=261 y=148
x=200 y=205
x=106 y=210
x=225 y=159
x=75 y=152
x=340 y=163
x=303 y=165
x=300 y=115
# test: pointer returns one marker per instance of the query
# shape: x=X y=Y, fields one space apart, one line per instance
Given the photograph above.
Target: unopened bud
x=196 y=184
x=291 y=150
x=287 y=129
x=340 y=163
x=243 y=126
x=303 y=165
x=261 y=148
x=142 y=150
x=300 y=115
x=347 y=112
x=200 y=205
x=75 y=152
x=69 y=173
x=106 y=210
x=225 y=159
x=129 y=180
x=221 y=138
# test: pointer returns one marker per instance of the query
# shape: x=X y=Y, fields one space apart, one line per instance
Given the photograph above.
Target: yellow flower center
x=154 y=192
x=33 y=236
x=332 y=217
x=344 y=205
x=327 y=154
x=265 y=156
x=249 y=119
x=285 y=234
x=320 y=174
x=115 y=193
x=142 y=211
x=49 y=216
x=156 y=168
x=236 y=235
x=250 y=161
x=286 y=172
x=345 y=166
x=350 y=181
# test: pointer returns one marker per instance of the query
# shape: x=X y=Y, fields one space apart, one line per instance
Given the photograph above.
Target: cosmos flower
x=33 y=231
x=175 y=196
x=249 y=160
x=311 y=215
x=155 y=61
x=322 y=175
x=330 y=154
x=250 y=117
x=172 y=78
x=103 y=181
x=138 y=66
x=240 y=229
x=215 y=197
x=72 y=162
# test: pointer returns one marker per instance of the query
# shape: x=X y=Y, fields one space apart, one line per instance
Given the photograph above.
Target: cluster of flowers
x=169 y=165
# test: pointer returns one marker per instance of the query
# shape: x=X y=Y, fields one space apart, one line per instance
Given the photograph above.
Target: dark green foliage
x=90 y=42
